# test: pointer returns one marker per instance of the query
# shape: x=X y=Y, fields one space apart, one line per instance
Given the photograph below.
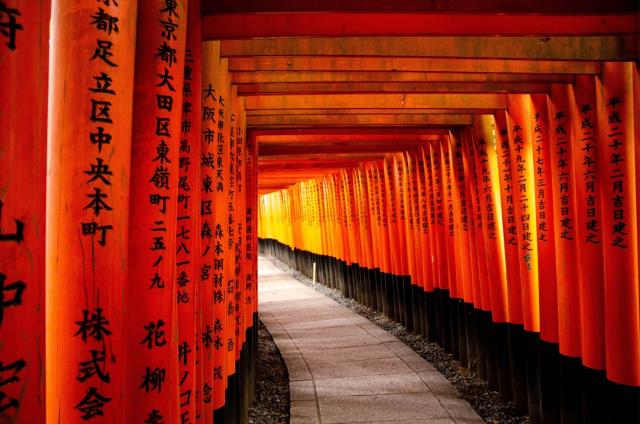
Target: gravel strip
x=270 y=404
x=486 y=402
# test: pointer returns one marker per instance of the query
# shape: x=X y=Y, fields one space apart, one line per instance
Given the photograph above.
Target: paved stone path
x=345 y=369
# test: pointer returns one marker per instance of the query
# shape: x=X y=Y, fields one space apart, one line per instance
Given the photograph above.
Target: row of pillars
x=127 y=244
x=529 y=216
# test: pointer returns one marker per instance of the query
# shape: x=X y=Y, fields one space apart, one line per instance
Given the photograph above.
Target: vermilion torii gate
x=496 y=148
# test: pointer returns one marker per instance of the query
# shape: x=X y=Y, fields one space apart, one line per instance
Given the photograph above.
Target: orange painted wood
x=510 y=213
x=373 y=101
x=295 y=149
x=432 y=212
x=414 y=221
x=521 y=134
x=23 y=153
x=208 y=331
x=588 y=47
x=410 y=64
x=353 y=134
x=561 y=116
x=373 y=218
x=586 y=150
x=477 y=252
x=383 y=222
x=365 y=260
x=322 y=216
x=336 y=242
x=188 y=223
x=361 y=111
x=483 y=292
x=225 y=215
x=353 y=239
x=545 y=219
x=397 y=76
x=152 y=377
x=365 y=225
x=425 y=261
x=549 y=7
x=251 y=228
x=89 y=141
x=392 y=214
x=451 y=216
x=445 y=217
x=620 y=234
x=222 y=328
x=438 y=219
x=401 y=212
x=461 y=206
x=242 y=312
x=249 y=89
x=249 y=25
x=489 y=200
x=388 y=120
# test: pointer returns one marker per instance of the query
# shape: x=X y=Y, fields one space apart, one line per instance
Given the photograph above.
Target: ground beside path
x=345 y=369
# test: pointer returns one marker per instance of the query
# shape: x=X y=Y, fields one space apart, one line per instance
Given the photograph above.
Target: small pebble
x=270 y=404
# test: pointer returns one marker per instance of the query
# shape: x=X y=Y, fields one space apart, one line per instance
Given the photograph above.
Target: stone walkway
x=345 y=369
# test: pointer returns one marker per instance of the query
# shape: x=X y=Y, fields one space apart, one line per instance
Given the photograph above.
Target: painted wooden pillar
x=586 y=150
x=222 y=333
x=431 y=213
x=425 y=259
x=322 y=215
x=152 y=380
x=332 y=229
x=401 y=208
x=438 y=217
x=89 y=140
x=406 y=214
x=367 y=234
x=188 y=220
x=520 y=131
x=410 y=226
x=333 y=234
x=545 y=221
x=357 y=216
x=351 y=182
x=461 y=213
x=241 y=222
x=230 y=226
x=448 y=217
x=618 y=144
x=392 y=216
x=415 y=223
x=384 y=218
x=489 y=200
x=509 y=217
x=23 y=152
x=475 y=223
x=251 y=240
x=208 y=281
x=338 y=219
x=415 y=220
x=374 y=218
x=563 y=183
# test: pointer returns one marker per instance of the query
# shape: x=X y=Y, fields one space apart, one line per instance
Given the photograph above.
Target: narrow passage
x=345 y=369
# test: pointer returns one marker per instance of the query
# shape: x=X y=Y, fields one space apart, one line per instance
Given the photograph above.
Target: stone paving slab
x=397 y=406
x=368 y=367
x=345 y=369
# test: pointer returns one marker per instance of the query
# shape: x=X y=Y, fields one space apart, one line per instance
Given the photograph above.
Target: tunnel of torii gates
x=469 y=169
